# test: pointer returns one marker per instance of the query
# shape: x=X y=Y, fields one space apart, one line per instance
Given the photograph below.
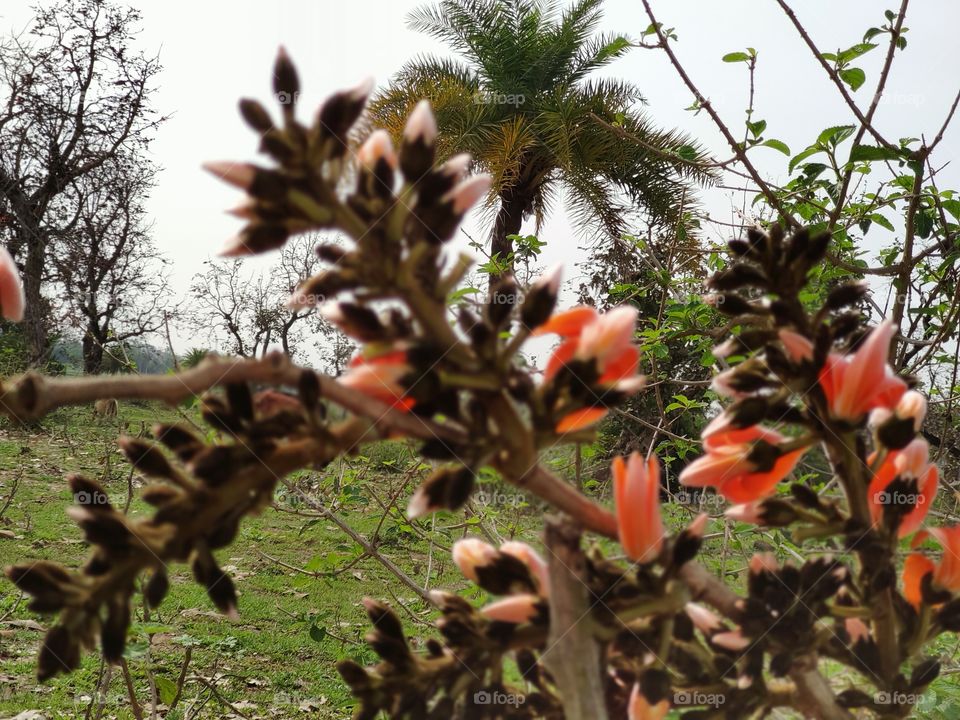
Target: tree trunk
x=34 y=314
x=92 y=353
x=513 y=203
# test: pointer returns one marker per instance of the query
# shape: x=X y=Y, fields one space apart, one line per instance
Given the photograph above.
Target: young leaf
x=854 y=77
x=735 y=57
x=777 y=145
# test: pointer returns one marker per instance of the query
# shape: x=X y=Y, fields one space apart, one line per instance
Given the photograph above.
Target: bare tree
x=244 y=311
x=114 y=284
x=73 y=95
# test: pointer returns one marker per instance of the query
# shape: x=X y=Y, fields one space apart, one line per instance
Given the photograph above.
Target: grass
x=279 y=657
x=300 y=579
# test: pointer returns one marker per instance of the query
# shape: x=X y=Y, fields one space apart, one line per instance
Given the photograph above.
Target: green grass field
x=299 y=576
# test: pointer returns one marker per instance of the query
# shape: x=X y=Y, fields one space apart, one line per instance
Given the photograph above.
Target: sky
x=216 y=51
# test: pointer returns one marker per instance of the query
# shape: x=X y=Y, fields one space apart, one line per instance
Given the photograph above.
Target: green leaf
x=735 y=57
x=852 y=53
x=757 y=127
x=317 y=633
x=854 y=77
x=803 y=155
x=868 y=153
x=881 y=221
x=835 y=135
x=166 y=689
x=777 y=145
x=952 y=207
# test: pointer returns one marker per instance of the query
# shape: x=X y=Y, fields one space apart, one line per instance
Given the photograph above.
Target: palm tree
x=522 y=102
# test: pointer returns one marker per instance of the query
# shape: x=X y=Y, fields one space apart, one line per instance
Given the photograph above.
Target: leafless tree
x=244 y=311
x=74 y=93
x=114 y=285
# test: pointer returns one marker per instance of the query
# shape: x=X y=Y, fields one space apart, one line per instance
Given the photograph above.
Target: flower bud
x=465 y=195
x=541 y=299
x=471 y=553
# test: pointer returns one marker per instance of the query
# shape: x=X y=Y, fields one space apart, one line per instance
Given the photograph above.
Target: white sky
x=216 y=51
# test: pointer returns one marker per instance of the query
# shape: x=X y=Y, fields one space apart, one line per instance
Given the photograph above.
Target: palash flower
x=733 y=640
x=911 y=462
x=704 y=619
x=915 y=568
x=471 y=553
x=946 y=572
x=854 y=384
x=607 y=340
x=639 y=708
x=11 y=292
x=732 y=465
x=531 y=558
x=636 y=492
x=514 y=609
x=379 y=377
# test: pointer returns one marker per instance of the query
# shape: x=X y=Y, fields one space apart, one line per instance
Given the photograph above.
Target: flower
x=946 y=573
x=744 y=465
x=11 y=292
x=854 y=384
x=705 y=620
x=733 y=640
x=466 y=194
x=514 y=609
x=915 y=568
x=751 y=513
x=639 y=708
x=912 y=462
x=471 y=553
x=421 y=125
x=636 y=491
x=605 y=340
x=379 y=377
x=531 y=558
x=376 y=147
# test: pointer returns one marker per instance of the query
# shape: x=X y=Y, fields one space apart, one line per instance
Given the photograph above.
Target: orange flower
x=636 y=491
x=11 y=293
x=734 y=466
x=639 y=708
x=854 y=384
x=915 y=568
x=911 y=462
x=379 y=377
x=946 y=573
x=606 y=340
